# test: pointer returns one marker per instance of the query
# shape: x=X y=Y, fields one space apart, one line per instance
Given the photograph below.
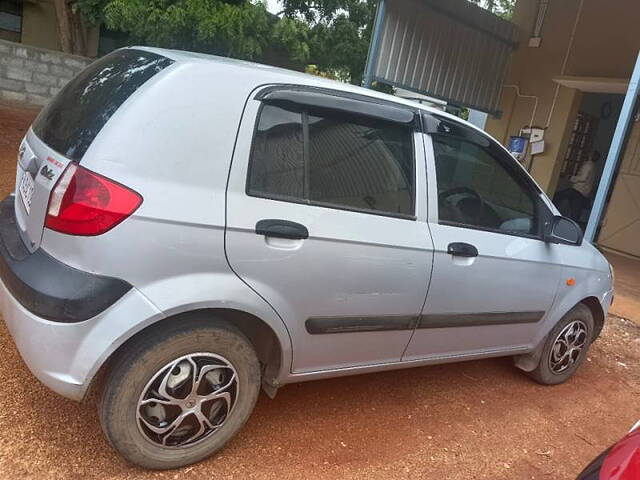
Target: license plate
x=27 y=185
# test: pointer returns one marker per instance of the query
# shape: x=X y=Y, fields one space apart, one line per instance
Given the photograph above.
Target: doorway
x=586 y=154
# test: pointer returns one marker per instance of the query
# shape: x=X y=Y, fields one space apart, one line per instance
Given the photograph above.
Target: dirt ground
x=473 y=420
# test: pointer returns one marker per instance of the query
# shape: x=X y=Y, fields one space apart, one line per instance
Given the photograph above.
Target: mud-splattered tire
x=211 y=379
x=566 y=347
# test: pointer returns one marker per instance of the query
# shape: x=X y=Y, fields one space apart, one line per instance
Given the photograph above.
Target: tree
x=339 y=34
x=234 y=28
x=502 y=8
x=72 y=30
x=333 y=35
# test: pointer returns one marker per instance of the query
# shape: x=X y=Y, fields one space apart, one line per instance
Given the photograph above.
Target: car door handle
x=272 y=227
x=461 y=249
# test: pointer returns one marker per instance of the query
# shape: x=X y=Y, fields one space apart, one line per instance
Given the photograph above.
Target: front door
x=493 y=277
x=325 y=220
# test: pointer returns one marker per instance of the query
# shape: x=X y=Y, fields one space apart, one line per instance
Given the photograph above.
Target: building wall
x=605 y=44
x=33 y=75
x=10 y=36
x=39 y=25
x=621 y=226
x=40 y=28
x=592 y=104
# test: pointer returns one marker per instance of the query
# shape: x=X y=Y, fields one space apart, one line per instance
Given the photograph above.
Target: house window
x=10 y=19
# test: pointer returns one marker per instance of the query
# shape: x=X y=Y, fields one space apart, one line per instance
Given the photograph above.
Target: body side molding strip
x=450 y=320
x=372 y=323
x=320 y=325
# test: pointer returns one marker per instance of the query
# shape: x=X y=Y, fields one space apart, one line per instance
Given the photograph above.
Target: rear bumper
x=49 y=288
x=65 y=322
x=66 y=356
x=46 y=347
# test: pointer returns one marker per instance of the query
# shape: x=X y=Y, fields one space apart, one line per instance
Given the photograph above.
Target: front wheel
x=566 y=347
x=179 y=394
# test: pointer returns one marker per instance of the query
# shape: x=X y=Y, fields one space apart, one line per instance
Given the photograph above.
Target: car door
x=494 y=278
x=325 y=220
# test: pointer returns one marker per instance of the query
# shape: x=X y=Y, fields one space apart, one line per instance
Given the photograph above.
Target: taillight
x=85 y=203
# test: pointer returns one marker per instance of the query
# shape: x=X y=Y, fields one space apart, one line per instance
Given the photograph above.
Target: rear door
x=494 y=278
x=66 y=127
x=326 y=221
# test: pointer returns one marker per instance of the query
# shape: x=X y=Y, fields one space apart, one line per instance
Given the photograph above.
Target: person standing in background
x=575 y=198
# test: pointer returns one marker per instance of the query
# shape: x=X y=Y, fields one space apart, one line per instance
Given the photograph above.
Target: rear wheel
x=178 y=394
x=566 y=347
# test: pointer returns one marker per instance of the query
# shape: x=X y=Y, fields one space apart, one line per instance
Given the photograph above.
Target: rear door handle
x=461 y=249
x=273 y=227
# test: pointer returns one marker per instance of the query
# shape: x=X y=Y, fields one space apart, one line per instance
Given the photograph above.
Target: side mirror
x=563 y=230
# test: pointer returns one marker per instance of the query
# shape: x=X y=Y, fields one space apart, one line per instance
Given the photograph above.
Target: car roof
x=266 y=74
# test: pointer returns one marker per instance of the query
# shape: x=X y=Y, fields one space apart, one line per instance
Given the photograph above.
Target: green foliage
x=383 y=87
x=291 y=35
x=234 y=28
x=502 y=8
x=339 y=34
x=91 y=10
x=333 y=35
x=313 y=69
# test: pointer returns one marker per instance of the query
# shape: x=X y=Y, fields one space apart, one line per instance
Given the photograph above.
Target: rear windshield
x=70 y=122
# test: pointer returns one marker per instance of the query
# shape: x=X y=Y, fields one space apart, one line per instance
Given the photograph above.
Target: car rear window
x=70 y=122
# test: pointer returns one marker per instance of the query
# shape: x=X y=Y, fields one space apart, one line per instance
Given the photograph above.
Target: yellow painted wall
x=621 y=226
x=39 y=27
x=606 y=44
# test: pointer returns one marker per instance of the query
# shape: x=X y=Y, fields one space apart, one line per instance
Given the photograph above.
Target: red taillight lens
x=85 y=203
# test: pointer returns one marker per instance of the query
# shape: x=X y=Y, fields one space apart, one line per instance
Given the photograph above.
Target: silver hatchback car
x=187 y=228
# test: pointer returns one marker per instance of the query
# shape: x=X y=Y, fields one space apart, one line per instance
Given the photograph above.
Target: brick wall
x=32 y=75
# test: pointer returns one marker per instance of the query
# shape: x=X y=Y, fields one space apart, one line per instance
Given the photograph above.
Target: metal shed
x=448 y=49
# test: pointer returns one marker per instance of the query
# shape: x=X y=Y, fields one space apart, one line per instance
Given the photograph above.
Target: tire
x=167 y=355
x=580 y=317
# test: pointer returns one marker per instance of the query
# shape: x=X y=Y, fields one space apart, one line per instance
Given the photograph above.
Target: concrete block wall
x=31 y=75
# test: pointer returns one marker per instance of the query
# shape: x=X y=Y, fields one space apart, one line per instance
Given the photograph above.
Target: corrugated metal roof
x=447 y=49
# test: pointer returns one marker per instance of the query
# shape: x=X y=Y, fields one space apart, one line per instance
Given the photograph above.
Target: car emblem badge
x=46 y=172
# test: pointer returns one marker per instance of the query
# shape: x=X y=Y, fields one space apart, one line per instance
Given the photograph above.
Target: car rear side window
x=354 y=163
x=278 y=162
x=70 y=122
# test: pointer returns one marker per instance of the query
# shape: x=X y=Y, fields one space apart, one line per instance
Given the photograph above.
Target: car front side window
x=476 y=190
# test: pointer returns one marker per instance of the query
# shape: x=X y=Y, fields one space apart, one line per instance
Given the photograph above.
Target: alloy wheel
x=568 y=346
x=187 y=400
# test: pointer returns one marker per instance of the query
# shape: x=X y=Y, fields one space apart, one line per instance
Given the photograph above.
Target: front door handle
x=272 y=227
x=461 y=249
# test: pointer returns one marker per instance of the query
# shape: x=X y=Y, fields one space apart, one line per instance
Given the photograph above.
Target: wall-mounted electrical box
x=537 y=148
x=536 y=135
